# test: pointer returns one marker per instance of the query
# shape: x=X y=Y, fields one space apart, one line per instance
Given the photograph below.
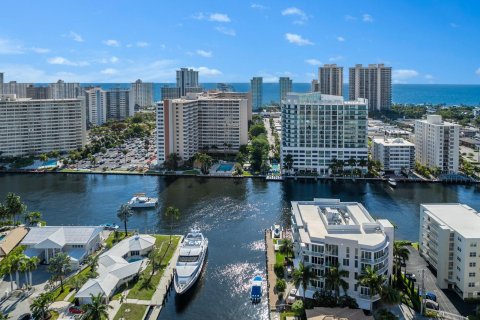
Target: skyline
x=121 y=42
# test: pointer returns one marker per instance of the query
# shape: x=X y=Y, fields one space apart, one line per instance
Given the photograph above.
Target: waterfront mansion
x=328 y=232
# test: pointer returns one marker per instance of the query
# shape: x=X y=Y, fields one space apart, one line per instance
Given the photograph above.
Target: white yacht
x=193 y=251
x=140 y=200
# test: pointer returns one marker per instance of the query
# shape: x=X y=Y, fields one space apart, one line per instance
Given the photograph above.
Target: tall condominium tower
x=285 y=87
x=373 y=83
x=1 y=82
x=38 y=92
x=187 y=81
x=256 y=85
x=170 y=92
x=330 y=79
x=316 y=129
x=207 y=122
x=142 y=94
x=118 y=104
x=96 y=104
x=437 y=143
x=16 y=88
x=29 y=126
x=314 y=86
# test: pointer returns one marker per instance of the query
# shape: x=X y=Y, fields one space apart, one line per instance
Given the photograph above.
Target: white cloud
x=10 y=47
x=367 y=18
x=114 y=59
x=109 y=71
x=219 y=17
x=142 y=44
x=350 y=18
x=297 y=39
x=66 y=62
x=258 y=6
x=313 y=62
x=40 y=50
x=429 y=77
x=340 y=39
x=227 y=31
x=75 y=36
x=111 y=43
x=335 y=58
x=205 y=54
x=477 y=72
x=404 y=74
x=208 y=72
x=293 y=11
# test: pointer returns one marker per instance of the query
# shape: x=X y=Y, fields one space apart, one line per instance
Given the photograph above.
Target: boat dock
x=271 y=276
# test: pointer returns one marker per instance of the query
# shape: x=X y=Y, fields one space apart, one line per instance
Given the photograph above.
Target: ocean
x=401 y=93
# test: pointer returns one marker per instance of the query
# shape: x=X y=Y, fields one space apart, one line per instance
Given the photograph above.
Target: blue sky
x=427 y=41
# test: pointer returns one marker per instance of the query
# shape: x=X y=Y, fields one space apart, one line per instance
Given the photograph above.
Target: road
x=271 y=140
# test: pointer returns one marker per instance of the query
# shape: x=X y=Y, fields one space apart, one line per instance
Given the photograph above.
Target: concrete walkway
x=271 y=276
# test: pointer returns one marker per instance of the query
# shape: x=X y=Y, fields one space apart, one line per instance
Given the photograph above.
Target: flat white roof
x=393 y=142
x=457 y=216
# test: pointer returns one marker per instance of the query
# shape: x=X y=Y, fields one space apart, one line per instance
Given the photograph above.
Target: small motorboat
x=392 y=182
x=256 y=289
x=109 y=226
x=277 y=231
x=140 y=200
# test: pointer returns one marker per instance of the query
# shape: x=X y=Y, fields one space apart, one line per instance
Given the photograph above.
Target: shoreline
x=264 y=177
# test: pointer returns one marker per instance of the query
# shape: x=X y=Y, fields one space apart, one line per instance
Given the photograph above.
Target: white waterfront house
x=76 y=242
x=394 y=154
x=450 y=243
x=117 y=266
x=328 y=232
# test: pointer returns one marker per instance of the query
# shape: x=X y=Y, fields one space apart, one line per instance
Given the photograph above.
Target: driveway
x=448 y=300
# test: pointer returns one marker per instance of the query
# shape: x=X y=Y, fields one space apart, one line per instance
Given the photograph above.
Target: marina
x=233 y=213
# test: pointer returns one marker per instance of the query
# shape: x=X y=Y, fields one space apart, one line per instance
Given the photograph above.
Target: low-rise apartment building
x=395 y=154
x=328 y=232
x=201 y=122
x=450 y=243
x=32 y=127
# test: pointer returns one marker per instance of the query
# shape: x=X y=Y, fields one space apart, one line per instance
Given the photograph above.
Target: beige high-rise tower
x=373 y=83
x=330 y=79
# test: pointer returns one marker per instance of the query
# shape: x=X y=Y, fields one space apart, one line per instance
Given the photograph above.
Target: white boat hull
x=142 y=205
x=184 y=288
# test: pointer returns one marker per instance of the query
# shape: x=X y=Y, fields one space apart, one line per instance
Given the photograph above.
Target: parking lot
x=448 y=300
x=133 y=155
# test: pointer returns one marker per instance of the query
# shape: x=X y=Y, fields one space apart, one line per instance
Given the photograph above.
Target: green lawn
x=279 y=257
x=120 y=236
x=286 y=314
x=136 y=311
x=59 y=295
x=247 y=174
x=145 y=287
x=415 y=245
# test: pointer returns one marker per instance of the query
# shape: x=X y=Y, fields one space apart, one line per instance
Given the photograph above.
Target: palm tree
x=97 y=309
x=44 y=158
x=78 y=281
x=288 y=162
x=8 y=268
x=23 y=267
x=389 y=295
x=205 y=161
x=16 y=261
x=3 y=316
x=302 y=276
x=14 y=205
x=400 y=253
x=372 y=280
x=33 y=218
x=352 y=162
x=92 y=262
x=124 y=213
x=334 y=280
x=59 y=267
x=287 y=247
x=39 y=306
x=174 y=214
x=32 y=265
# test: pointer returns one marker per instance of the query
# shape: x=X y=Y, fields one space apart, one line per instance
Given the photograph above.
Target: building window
x=459 y=249
x=471 y=284
x=134 y=253
x=458 y=268
x=471 y=274
x=473 y=254
x=473 y=244
x=458 y=258
x=473 y=264
x=346 y=262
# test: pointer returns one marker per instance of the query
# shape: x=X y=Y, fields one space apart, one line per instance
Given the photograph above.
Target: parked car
x=25 y=316
x=429 y=295
x=75 y=310
x=292 y=296
x=411 y=277
x=430 y=304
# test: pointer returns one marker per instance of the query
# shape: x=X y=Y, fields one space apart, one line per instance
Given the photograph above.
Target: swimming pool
x=50 y=163
x=275 y=167
x=134 y=259
x=225 y=167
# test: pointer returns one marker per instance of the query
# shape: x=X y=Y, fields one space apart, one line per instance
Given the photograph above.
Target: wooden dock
x=271 y=276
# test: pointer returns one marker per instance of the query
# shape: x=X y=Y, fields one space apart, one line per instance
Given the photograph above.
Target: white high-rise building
x=201 y=122
x=328 y=232
x=256 y=87
x=1 y=82
x=450 y=243
x=32 y=127
x=285 y=84
x=318 y=128
x=16 y=88
x=187 y=81
x=437 y=143
x=170 y=92
x=395 y=154
x=141 y=94
x=330 y=79
x=373 y=83
x=314 y=87
x=64 y=90
x=118 y=104
x=96 y=104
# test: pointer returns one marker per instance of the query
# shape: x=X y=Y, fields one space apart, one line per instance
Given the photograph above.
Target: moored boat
x=140 y=200
x=109 y=226
x=256 y=289
x=191 y=259
x=392 y=182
